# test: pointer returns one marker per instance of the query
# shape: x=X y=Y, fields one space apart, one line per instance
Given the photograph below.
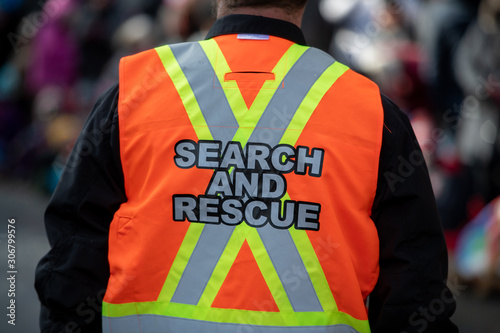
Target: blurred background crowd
x=439 y=60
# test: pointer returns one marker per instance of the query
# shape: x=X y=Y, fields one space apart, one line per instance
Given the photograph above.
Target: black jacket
x=411 y=293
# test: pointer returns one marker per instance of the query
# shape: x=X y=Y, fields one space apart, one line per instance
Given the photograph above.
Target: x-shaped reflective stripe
x=223 y=126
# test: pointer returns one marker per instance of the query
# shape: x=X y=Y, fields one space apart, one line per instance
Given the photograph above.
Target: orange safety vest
x=250 y=168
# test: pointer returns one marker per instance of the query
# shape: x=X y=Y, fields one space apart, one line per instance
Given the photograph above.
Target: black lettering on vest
x=273 y=186
x=258 y=154
x=308 y=216
x=232 y=214
x=185 y=151
x=209 y=209
x=209 y=154
x=220 y=184
x=185 y=207
x=248 y=184
x=313 y=161
x=233 y=157
x=285 y=220
x=254 y=213
x=282 y=158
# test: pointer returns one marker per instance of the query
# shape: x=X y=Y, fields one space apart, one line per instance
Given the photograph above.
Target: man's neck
x=272 y=12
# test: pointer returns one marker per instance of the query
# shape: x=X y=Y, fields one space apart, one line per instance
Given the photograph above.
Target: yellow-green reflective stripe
x=203 y=133
x=235 y=316
x=313 y=268
x=185 y=92
x=313 y=62
x=248 y=118
x=222 y=268
x=270 y=275
x=299 y=53
x=244 y=232
x=311 y=102
x=180 y=262
x=186 y=101
x=282 y=68
x=251 y=117
x=223 y=125
x=154 y=324
x=300 y=238
x=221 y=67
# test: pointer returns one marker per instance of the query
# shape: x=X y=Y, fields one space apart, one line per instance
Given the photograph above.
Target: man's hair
x=289 y=5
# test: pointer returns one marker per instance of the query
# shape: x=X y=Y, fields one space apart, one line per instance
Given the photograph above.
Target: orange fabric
x=148 y=132
x=144 y=239
x=347 y=243
x=232 y=49
x=245 y=269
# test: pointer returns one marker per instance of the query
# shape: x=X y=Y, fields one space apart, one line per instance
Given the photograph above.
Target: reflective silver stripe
x=290 y=268
x=201 y=77
x=223 y=126
x=270 y=129
x=208 y=250
x=286 y=101
x=164 y=324
x=279 y=243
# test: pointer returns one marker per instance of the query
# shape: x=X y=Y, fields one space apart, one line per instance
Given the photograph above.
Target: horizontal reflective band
x=242 y=318
x=159 y=324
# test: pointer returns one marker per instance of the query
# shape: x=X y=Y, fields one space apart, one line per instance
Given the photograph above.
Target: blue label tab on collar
x=253 y=36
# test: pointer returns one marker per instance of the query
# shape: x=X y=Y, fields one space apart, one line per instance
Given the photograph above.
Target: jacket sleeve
x=411 y=294
x=71 y=279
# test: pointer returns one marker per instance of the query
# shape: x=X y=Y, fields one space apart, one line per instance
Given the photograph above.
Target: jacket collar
x=249 y=24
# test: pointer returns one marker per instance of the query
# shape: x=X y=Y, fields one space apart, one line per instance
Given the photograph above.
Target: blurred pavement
x=26 y=206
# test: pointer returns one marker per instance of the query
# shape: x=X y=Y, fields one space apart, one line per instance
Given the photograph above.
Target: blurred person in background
x=364 y=253
x=57 y=57
x=198 y=19
x=477 y=68
x=55 y=70
x=317 y=30
x=34 y=89
x=440 y=27
x=132 y=36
